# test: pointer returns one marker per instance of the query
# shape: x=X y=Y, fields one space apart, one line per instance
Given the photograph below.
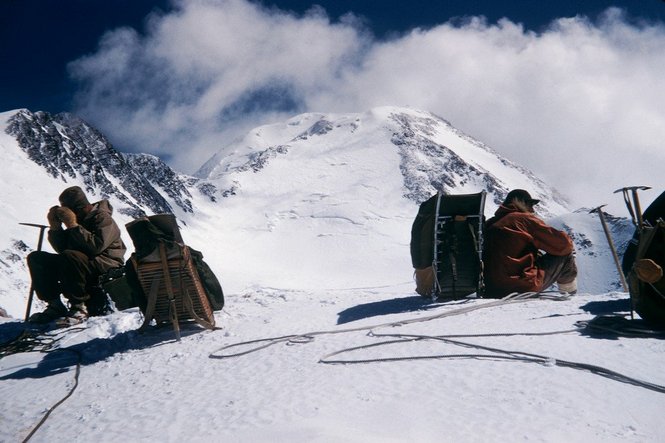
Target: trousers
x=70 y=273
x=558 y=269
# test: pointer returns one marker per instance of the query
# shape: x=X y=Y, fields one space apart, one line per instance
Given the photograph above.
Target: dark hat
x=520 y=194
x=73 y=198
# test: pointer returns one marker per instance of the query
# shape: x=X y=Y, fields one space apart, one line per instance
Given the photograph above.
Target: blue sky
x=569 y=89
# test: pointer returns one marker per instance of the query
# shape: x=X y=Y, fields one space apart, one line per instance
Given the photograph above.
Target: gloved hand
x=53 y=218
x=67 y=216
x=648 y=270
x=424 y=281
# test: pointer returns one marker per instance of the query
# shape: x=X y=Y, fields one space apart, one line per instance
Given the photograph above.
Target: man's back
x=513 y=241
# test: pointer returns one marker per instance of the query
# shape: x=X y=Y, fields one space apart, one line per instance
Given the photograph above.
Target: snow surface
x=147 y=387
x=318 y=240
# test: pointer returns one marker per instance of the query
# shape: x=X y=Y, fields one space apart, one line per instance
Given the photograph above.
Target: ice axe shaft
x=39 y=248
x=638 y=209
x=611 y=243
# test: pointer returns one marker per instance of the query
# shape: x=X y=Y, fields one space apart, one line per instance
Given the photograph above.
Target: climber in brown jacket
x=523 y=253
x=89 y=246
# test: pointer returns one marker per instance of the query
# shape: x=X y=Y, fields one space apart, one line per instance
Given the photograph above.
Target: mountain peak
x=431 y=154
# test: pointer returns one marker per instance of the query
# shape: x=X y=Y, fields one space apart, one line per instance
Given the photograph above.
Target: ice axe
x=636 y=213
x=39 y=248
x=611 y=243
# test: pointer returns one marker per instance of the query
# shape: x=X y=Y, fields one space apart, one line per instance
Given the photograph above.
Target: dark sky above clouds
x=573 y=90
x=39 y=37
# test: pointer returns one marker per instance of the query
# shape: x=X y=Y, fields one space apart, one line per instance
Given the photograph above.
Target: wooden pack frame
x=173 y=289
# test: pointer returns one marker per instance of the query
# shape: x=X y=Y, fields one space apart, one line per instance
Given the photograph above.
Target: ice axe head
x=633 y=207
x=632 y=188
x=611 y=245
x=597 y=209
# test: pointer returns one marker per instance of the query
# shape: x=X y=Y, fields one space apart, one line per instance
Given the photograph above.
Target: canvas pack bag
x=645 y=279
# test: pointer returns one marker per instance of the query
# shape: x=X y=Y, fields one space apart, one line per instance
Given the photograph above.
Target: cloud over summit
x=579 y=103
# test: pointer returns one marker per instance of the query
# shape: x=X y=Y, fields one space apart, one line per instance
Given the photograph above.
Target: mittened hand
x=67 y=216
x=53 y=218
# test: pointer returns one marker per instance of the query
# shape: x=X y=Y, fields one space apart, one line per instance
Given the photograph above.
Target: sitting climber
x=523 y=253
x=89 y=246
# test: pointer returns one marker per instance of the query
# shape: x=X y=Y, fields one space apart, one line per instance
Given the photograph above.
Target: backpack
x=644 y=257
x=446 y=246
x=645 y=279
x=147 y=233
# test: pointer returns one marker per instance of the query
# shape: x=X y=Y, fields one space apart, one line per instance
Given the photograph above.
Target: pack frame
x=456 y=216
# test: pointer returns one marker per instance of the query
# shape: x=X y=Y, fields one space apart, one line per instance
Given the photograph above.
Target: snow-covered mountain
x=430 y=154
x=318 y=201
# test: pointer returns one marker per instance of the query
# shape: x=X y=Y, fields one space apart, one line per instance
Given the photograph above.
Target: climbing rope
x=38 y=341
x=27 y=341
x=34 y=340
x=264 y=343
x=63 y=399
x=491 y=353
x=498 y=354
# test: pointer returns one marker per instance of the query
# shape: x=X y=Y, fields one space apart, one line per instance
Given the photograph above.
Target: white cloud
x=581 y=104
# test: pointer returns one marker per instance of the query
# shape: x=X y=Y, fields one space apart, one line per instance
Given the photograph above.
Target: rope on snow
x=309 y=336
x=38 y=341
x=494 y=353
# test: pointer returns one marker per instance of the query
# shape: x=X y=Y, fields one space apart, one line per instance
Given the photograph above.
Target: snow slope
x=147 y=387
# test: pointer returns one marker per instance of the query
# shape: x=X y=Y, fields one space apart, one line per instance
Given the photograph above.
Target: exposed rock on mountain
x=68 y=149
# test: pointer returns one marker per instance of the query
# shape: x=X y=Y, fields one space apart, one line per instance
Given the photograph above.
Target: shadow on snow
x=58 y=360
x=387 y=307
x=613 y=321
x=607 y=307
